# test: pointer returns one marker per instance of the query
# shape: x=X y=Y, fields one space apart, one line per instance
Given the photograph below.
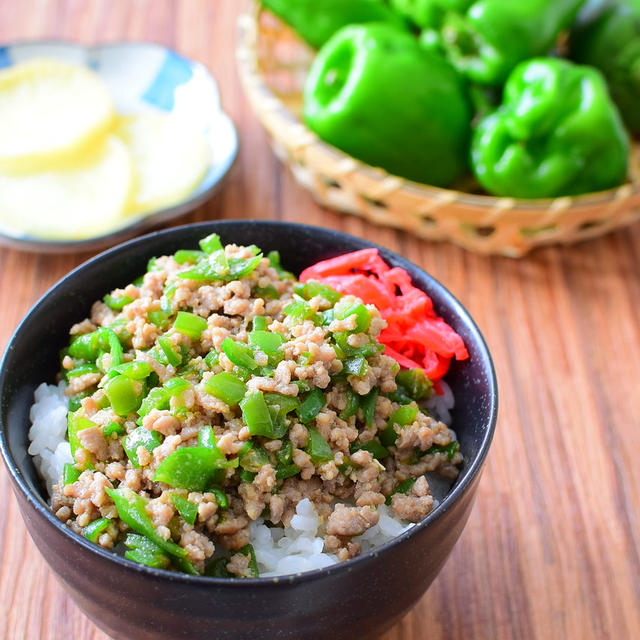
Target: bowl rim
x=138 y=222
x=470 y=473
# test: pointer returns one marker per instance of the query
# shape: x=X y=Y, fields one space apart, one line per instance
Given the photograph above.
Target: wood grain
x=552 y=549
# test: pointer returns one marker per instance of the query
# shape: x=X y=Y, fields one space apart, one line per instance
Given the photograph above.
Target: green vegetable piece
x=249 y=551
x=317 y=20
x=135 y=370
x=140 y=437
x=157 y=398
x=211 y=359
x=86 y=346
x=113 y=428
x=110 y=342
x=189 y=324
x=70 y=474
x=353 y=404
x=368 y=71
x=368 y=404
x=184 y=256
x=239 y=353
x=76 y=422
x=317 y=447
x=221 y=497
x=188 y=510
x=287 y=471
x=557 y=133
x=268 y=293
x=274 y=260
x=159 y=318
x=345 y=308
x=191 y=468
x=284 y=455
x=254 y=458
x=256 y=415
x=125 y=395
x=355 y=366
x=247 y=476
x=369 y=349
x=313 y=288
x=226 y=387
x=173 y=358
x=211 y=243
x=93 y=530
x=403 y=487
x=176 y=386
x=303 y=385
x=218 y=569
x=299 y=310
x=267 y=341
x=450 y=449
x=259 y=323
x=373 y=447
x=143 y=551
x=182 y=564
x=416 y=383
x=402 y=417
x=132 y=511
x=117 y=303
x=153 y=265
x=81 y=370
x=206 y=438
x=312 y=405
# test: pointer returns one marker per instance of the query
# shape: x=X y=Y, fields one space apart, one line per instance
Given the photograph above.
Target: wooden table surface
x=552 y=548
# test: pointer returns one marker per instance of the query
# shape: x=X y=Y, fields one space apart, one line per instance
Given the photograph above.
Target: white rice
x=48 y=446
x=278 y=551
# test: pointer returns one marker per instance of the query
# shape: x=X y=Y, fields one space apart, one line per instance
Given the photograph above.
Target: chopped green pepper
x=221 y=497
x=313 y=288
x=188 y=510
x=355 y=366
x=317 y=447
x=176 y=386
x=117 y=303
x=402 y=417
x=158 y=317
x=254 y=458
x=345 y=308
x=81 y=370
x=132 y=511
x=140 y=437
x=93 y=530
x=353 y=404
x=125 y=395
x=274 y=260
x=312 y=405
x=226 y=387
x=191 y=468
x=373 y=447
x=416 y=383
x=257 y=417
x=189 y=324
x=113 y=428
x=450 y=449
x=403 y=487
x=368 y=404
x=76 y=422
x=239 y=353
x=157 y=398
x=211 y=243
x=70 y=474
x=173 y=358
x=218 y=569
x=135 y=370
x=143 y=551
x=190 y=256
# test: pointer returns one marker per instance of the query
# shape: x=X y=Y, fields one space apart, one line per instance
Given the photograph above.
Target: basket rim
x=248 y=62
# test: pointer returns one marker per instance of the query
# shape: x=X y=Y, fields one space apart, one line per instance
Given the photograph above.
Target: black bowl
x=356 y=599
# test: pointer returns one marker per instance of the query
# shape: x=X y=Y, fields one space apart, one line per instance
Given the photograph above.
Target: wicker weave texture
x=273 y=64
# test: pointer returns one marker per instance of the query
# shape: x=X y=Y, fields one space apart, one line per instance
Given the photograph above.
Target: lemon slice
x=49 y=111
x=170 y=157
x=72 y=203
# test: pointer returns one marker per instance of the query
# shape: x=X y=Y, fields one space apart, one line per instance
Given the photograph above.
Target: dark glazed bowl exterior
x=357 y=599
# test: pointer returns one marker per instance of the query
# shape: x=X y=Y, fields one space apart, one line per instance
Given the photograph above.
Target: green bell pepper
x=609 y=39
x=428 y=13
x=317 y=20
x=140 y=437
x=376 y=94
x=488 y=40
x=557 y=133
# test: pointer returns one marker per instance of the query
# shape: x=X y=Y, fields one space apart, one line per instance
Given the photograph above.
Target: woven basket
x=273 y=64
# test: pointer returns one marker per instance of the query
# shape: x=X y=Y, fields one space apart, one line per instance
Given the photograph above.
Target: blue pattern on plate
x=5 y=58
x=174 y=72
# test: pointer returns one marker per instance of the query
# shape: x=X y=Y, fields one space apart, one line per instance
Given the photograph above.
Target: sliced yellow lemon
x=170 y=157
x=50 y=111
x=72 y=203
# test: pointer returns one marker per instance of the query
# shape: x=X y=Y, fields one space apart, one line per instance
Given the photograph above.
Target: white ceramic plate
x=142 y=77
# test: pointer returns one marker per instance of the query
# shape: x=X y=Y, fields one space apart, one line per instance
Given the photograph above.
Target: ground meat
x=161 y=421
x=101 y=315
x=239 y=565
x=80 y=328
x=416 y=505
x=418 y=435
x=77 y=384
x=198 y=547
x=94 y=441
x=280 y=383
x=89 y=496
x=351 y=521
